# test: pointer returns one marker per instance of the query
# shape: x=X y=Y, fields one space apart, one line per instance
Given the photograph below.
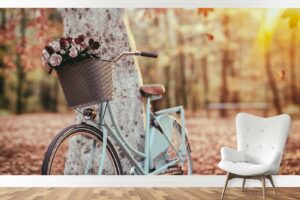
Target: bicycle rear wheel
x=187 y=167
x=77 y=150
x=172 y=150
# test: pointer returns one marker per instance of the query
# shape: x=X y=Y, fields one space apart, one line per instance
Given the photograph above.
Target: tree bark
x=20 y=68
x=272 y=83
x=205 y=79
x=2 y=48
x=55 y=96
x=168 y=76
x=293 y=45
x=107 y=26
x=182 y=93
x=225 y=60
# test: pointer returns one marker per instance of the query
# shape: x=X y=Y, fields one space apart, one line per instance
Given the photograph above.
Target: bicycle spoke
x=91 y=158
x=66 y=161
x=81 y=163
x=79 y=154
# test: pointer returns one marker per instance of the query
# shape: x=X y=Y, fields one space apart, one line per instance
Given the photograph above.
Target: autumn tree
x=225 y=62
x=2 y=51
x=267 y=53
x=24 y=32
x=293 y=16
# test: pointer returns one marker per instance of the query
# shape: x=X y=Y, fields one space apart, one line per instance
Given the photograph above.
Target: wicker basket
x=86 y=82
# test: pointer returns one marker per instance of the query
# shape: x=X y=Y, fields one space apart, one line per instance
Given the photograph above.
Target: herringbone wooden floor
x=144 y=193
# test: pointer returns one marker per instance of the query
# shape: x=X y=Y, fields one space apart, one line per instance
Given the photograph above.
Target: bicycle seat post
x=147 y=136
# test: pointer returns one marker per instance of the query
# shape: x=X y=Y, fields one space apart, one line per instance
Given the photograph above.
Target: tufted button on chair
x=260 y=145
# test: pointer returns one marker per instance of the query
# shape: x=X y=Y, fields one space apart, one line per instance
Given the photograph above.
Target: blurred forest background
x=205 y=56
x=214 y=62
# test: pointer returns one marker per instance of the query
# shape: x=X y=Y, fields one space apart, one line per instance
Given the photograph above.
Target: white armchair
x=260 y=145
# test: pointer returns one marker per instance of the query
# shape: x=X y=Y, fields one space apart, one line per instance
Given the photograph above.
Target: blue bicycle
x=85 y=149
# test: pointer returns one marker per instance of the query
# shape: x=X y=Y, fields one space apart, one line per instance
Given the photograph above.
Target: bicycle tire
x=188 y=160
x=65 y=133
x=188 y=148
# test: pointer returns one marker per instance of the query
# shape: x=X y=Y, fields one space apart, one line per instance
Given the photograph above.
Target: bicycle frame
x=130 y=151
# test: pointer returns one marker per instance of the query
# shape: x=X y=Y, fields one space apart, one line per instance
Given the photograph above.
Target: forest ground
x=24 y=139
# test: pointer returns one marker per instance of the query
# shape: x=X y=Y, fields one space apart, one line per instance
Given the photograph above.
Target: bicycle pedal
x=178 y=173
x=175 y=171
x=173 y=166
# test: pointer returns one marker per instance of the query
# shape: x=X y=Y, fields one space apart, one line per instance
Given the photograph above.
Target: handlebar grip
x=150 y=55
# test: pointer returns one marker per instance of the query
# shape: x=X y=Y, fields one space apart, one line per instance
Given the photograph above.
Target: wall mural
x=142 y=91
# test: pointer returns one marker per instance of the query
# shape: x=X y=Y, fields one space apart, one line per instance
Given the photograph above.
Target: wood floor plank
x=144 y=193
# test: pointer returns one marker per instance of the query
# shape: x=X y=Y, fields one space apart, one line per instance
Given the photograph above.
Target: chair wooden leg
x=272 y=183
x=224 y=189
x=244 y=181
x=263 y=181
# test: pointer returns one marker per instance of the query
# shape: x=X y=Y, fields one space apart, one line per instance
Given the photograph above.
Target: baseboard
x=139 y=181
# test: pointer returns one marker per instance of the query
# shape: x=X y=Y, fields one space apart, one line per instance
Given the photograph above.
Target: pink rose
x=55 y=60
x=45 y=59
x=73 y=52
x=45 y=56
x=55 y=45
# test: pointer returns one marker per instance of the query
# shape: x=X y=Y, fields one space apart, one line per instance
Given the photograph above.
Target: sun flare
x=268 y=25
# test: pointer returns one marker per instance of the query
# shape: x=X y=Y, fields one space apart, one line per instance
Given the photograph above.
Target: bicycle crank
x=174 y=170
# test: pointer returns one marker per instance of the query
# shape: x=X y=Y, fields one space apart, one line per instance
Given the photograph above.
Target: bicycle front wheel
x=77 y=150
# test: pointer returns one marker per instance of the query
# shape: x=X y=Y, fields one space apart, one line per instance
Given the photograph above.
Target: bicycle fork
x=103 y=153
x=104 y=143
x=104 y=138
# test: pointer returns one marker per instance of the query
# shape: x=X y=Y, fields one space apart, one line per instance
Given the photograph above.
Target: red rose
x=95 y=45
x=77 y=41
x=49 y=49
x=63 y=42
x=81 y=38
x=69 y=39
x=91 y=41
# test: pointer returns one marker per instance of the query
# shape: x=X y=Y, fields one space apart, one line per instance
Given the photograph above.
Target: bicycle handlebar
x=149 y=54
x=129 y=53
x=135 y=53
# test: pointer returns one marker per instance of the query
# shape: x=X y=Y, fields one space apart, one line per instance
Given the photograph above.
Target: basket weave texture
x=86 y=82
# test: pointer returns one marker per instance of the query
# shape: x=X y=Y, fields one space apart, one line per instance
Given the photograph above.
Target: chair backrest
x=261 y=138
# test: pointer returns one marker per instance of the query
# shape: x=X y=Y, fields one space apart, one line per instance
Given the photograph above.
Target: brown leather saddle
x=152 y=90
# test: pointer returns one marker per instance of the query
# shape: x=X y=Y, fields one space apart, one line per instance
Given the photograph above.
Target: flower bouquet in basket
x=84 y=79
x=67 y=51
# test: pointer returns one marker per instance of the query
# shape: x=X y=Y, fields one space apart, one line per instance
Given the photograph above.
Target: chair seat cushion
x=244 y=169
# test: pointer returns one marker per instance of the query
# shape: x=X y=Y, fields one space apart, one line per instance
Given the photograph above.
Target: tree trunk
x=272 y=83
x=205 y=79
x=20 y=68
x=182 y=93
x=225 y=60
x=293 y=45
x=168 y=76
x=2 y=48
x=205 y=84
x=107 y=26
x=55 y=96
x=193 y=90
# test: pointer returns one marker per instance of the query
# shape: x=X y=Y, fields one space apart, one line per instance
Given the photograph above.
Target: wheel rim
x=79 y=153
x=187 y=167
